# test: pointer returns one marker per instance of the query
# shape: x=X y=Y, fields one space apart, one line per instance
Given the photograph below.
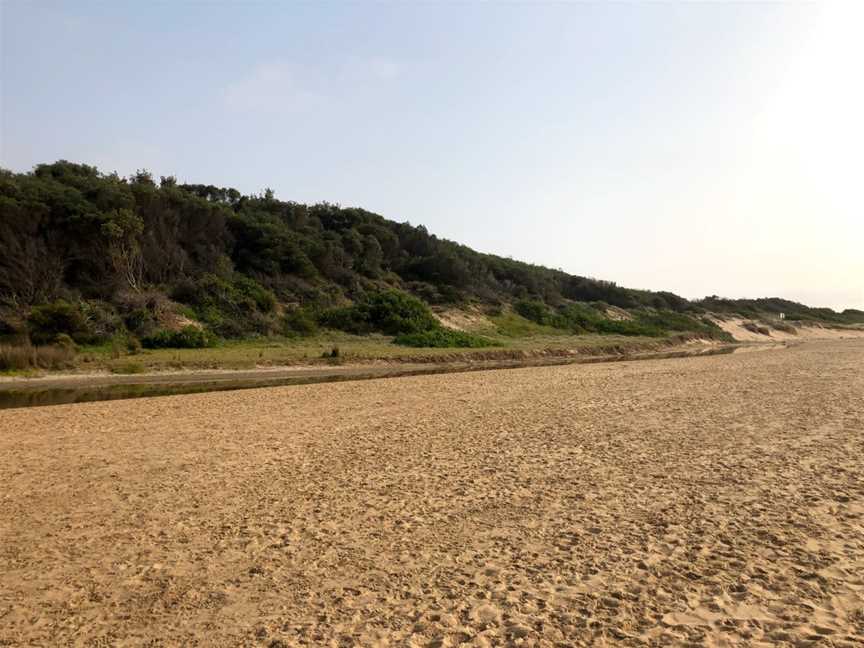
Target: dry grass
x=26 y=357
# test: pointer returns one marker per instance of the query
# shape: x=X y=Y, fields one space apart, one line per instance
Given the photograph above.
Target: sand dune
x=735 y=326
x=708 y=501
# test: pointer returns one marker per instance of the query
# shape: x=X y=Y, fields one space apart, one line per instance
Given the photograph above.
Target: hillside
x=94 y=255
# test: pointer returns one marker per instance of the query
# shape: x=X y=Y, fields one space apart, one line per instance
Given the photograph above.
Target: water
x=32 y=395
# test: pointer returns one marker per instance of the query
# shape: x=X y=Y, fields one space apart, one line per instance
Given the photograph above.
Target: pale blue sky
x=698 y=148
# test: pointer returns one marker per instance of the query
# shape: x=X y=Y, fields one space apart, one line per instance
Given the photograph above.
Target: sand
x=705 y=501
x=737 y=329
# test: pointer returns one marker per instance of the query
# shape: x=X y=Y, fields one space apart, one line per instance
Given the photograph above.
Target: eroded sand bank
x=713 y=500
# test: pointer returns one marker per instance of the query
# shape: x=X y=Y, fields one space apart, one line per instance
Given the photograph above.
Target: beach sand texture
x=705 y=501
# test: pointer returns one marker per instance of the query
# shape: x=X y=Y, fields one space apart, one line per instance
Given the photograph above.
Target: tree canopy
x=69 y=232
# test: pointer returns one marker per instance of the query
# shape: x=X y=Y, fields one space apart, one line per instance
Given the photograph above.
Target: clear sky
x=698 y=148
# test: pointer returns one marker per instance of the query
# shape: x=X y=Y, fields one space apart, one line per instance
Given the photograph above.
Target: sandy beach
x=703 y=501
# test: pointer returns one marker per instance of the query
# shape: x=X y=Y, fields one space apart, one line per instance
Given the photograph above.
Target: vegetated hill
x=775 y=306
x=93 y=254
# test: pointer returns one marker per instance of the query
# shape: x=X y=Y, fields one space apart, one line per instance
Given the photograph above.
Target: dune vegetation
x=115 y=266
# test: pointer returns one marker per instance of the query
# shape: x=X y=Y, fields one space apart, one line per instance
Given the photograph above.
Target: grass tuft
x=24 y=357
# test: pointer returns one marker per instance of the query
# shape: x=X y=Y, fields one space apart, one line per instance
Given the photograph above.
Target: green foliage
x=265 y=300
x=65 y=342
x=231 y=307
x=853 y=316
x=48 y=321
x=68 y=230
x=627 y=327
x=773 y=306
x=680 y=323
x=189 y=337
x=534 y=310
x=66 y=227
x=443 y=338
x=139 y=320
x=391 y=312
x=299 y=322
x=512 y=324
x=578 y=318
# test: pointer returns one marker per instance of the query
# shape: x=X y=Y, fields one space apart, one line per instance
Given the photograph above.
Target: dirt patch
x=464 y=320
x=618 y=314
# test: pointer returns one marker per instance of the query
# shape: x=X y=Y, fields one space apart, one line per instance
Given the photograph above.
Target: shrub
x=231 y=308
x=189 y=337
x=140 y=320
x=46 y=322
x=442 y=338
x=579 y=318
x=535 y=311
x=65 y=342
x=665 y=321
x=101 y=321
x=299 y=322
x=332 y=353
x=264 y=300
x=391 y=312
x=133 y=345
x=627 y=327
x=124 y=343
x=344 y=319
x=13 y=329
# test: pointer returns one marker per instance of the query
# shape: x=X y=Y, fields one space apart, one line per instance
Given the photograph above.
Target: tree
x=123 y=229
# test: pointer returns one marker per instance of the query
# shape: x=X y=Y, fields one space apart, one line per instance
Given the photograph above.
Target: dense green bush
x=299 y=322
x=757 y=308
x=680 y=323
x=391 y=312
x=140 y=321
x=626 y=327
x=65 y=342
x=264 y=299
x=48 y=321
x=101 y=321
x=579 y=318
x=441 y=337
x=67 y=229
x=231 y=307
x=189 y=337
x=533 y=310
